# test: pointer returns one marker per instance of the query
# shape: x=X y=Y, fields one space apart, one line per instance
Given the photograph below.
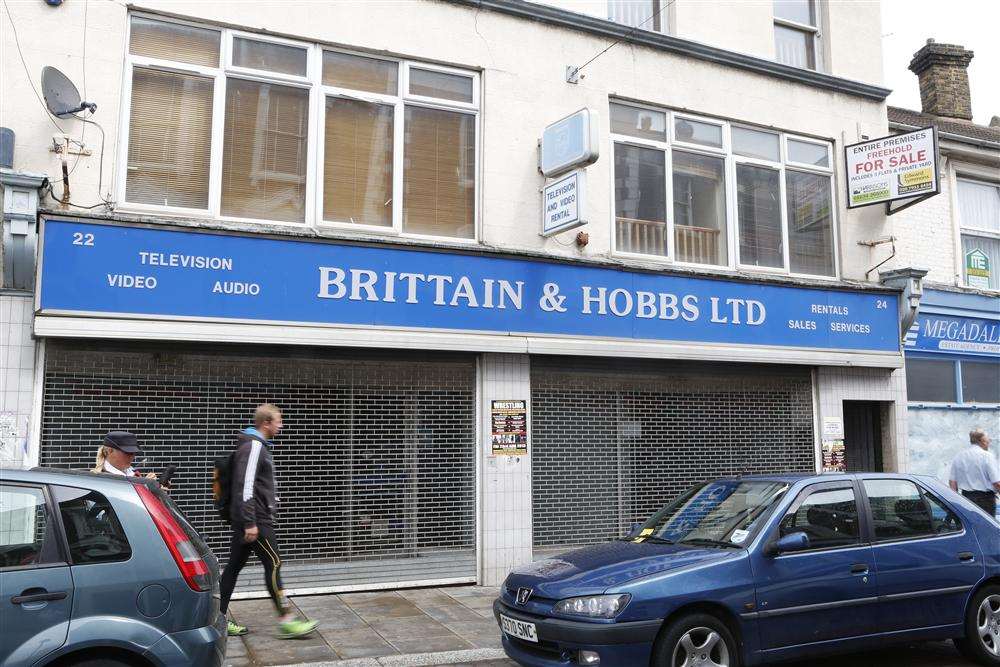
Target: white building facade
x=337 y=207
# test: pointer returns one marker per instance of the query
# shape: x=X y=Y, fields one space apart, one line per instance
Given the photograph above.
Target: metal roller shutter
x=614 y=440
x=376 y=463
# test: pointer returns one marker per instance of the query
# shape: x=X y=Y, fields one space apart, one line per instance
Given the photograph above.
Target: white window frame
x=661 y=6
x=963 y=228
x=732 y=213
x=316 y=140
x=813 y=30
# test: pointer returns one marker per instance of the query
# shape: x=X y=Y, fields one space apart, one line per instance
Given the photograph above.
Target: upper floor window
x=979 y=217
x=738 y=196
x=645 y=14
x=231 y=124
x=796 y=33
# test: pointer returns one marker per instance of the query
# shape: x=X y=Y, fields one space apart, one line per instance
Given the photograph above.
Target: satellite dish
x=61 y=96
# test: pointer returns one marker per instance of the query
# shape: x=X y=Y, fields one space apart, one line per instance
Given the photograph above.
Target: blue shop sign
x=954 y=335
x=117 y=270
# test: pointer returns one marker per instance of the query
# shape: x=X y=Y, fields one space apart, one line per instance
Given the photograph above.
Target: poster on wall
x=10 y=453
x=977 y=269
x=900 y=166
x=833 y=456
x=509 y=421
x=833 y=428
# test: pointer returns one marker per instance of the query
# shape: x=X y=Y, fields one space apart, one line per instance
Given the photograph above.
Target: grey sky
x=906 y=25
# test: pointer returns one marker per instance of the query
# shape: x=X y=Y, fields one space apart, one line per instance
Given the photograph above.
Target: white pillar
x=505 y=524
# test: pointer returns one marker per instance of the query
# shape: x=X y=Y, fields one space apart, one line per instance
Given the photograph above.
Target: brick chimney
x=944 y=79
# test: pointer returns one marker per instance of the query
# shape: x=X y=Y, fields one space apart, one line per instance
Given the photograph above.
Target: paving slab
x=380 y=606
x=331 y=612
x=449 y=642
x=481 y=633
x=450 y=612
x=357 y=643
x=467 y=591
x=236 y=654
x=409 y=627
x=431 y=596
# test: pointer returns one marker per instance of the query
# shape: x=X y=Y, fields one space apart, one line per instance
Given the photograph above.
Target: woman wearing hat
x=116 y=454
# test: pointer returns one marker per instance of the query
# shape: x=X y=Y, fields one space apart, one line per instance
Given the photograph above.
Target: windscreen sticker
x=646 y=532
x=739 y=536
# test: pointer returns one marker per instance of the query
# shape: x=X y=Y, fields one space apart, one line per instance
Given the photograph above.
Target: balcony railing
x=695 y=245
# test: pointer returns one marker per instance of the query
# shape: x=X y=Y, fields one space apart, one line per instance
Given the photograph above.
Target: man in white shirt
x=975 y=473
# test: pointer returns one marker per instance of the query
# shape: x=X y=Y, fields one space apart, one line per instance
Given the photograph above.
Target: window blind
x=808 y=199
x=170 y=139
x=439 y=172
x=757 y=192
x=173 y=41
x=357 y=162
x=979 y=205
x=359 y=73
x=267 y=56
x=264 y=154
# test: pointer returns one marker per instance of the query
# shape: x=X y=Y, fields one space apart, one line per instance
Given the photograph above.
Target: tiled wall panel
x=17 y=372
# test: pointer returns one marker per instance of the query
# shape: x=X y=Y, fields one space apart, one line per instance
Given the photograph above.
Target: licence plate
x=519 y=629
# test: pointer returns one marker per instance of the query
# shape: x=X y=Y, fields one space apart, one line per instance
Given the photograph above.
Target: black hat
x=124 y=441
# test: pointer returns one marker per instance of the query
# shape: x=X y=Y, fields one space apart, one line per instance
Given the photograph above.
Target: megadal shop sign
x=954 y=335
x=900 y=166
x=116 y=271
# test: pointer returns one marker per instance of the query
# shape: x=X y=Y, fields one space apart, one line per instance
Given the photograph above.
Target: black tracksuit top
x=253 y=493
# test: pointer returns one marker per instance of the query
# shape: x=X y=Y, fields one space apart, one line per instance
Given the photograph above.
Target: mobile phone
x=167 y=474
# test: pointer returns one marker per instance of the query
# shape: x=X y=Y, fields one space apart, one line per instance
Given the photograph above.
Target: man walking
x=975 y=474
x=252 y=512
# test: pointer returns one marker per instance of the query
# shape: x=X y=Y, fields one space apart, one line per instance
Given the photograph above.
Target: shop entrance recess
x=863 y=436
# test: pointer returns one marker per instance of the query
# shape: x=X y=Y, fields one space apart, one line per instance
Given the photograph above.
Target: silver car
x=103 y=570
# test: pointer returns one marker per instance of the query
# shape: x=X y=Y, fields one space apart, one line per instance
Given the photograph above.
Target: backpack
x=222 y=486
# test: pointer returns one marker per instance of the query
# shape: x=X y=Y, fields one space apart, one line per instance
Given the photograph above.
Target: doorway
x=863 y=436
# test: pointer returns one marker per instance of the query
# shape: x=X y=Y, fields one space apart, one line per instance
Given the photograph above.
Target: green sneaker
x=296 y=628
x=236 y=630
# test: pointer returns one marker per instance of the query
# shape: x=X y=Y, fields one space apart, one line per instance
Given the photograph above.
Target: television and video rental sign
x=901 y=166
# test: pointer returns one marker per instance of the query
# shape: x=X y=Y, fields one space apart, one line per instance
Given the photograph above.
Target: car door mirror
x=797 y=541
x=633 y=530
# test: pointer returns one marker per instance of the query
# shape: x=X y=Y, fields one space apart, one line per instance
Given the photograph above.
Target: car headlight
x=594 y=606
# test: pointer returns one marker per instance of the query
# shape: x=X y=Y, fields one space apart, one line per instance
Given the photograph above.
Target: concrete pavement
x=372 y=627
x=437 y=626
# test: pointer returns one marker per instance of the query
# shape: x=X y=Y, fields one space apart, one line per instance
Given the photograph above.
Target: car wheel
x=982 y=628
x=99 y=662
x=696 y=640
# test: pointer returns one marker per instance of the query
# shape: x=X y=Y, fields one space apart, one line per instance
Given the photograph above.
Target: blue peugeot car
x=103 y=571
x=753 y=570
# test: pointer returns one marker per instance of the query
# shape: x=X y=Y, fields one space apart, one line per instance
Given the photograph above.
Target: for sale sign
x=900 y=166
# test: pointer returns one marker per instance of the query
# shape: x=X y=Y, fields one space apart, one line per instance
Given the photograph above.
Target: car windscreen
x=722 y=513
